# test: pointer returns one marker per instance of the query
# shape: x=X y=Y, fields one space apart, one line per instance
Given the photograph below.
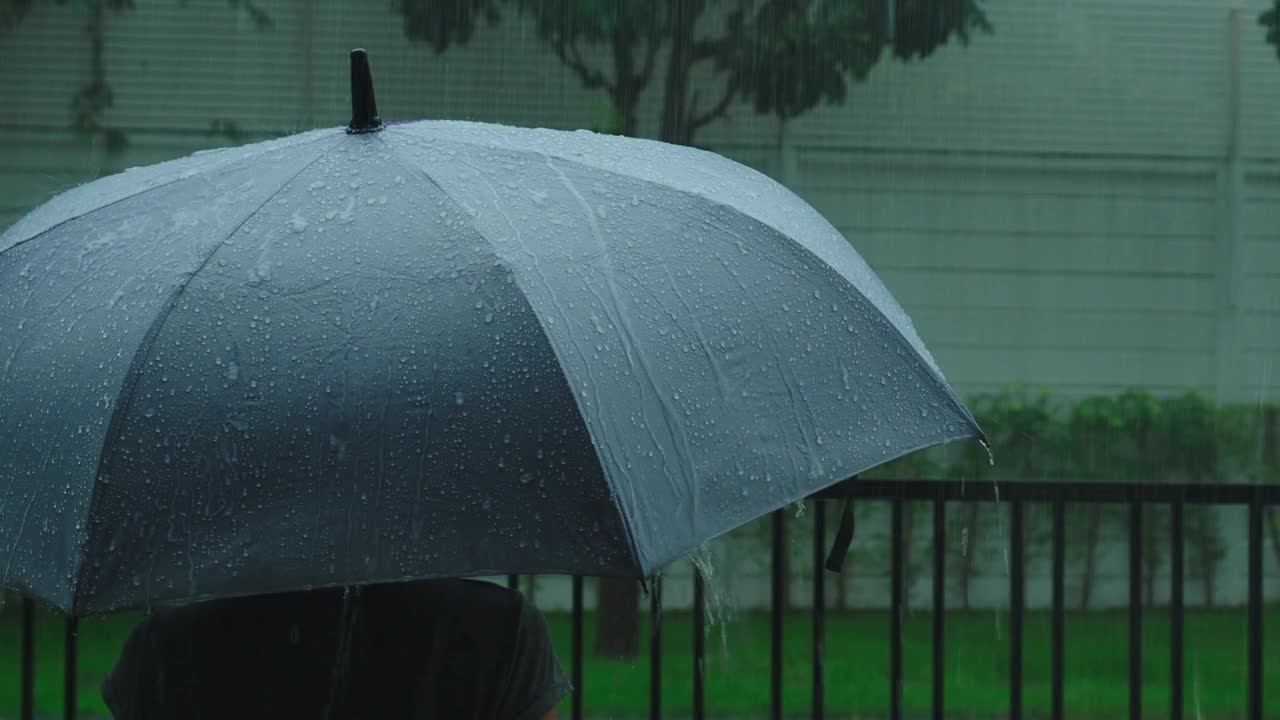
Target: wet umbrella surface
x=434 y=349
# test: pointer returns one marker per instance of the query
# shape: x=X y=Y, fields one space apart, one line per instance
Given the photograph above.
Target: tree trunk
x=784 y=560
x=842 y=589
x=1093 y=535
x=1271 y=460
x=1205 y=550
x=964 y=569
x=908 y=540
x=617 y=618
x=1273 y=529
x=626 y=90
x=843 y=577
x=1152 y=545
x=675 y=125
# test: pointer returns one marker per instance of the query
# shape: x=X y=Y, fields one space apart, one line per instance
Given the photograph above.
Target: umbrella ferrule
x=364 y=108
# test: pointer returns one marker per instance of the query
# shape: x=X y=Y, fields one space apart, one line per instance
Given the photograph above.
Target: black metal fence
x=939 y=493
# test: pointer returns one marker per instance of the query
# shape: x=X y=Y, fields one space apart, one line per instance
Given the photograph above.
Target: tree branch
x=703 y=50
x=650 y=59
x=718 y=110
x=572 y=58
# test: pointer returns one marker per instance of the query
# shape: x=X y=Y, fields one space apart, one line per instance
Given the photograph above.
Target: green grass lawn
x=856 y=672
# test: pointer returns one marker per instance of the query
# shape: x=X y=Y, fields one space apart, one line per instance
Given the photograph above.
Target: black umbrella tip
x=364 y=108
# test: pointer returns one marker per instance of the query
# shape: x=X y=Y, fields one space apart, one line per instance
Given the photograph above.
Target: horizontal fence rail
x=937 y=493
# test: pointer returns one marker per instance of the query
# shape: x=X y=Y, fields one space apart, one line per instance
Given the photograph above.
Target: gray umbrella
x=438 y=349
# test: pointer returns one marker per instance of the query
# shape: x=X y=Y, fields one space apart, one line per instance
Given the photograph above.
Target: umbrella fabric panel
x=722 y=368
x=353 y=390
x=701 y=173
x=112 y=189
x=77 y=302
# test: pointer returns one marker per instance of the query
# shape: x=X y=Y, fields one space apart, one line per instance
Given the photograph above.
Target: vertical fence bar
x=775 y=613
x=655 y=650
x=577 y=647
x=699 y=643
x=513 y=582
x=939 y=606
x=69 y=667
x=1255 y=609
x=1059 y=610
x=1176 y=561
x=896 y=609
x=819 y=607
x=1017 y=596
x=1135 y=610
x=28 y=659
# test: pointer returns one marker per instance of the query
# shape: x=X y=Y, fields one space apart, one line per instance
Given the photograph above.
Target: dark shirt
x=439 y=649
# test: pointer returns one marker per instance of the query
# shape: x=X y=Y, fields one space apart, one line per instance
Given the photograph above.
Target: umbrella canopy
x=438 y=349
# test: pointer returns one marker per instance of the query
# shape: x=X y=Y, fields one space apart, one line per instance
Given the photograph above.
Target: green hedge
x=1133 y=436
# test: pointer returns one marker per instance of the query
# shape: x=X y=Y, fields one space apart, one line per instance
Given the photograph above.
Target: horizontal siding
x=1261 y=257
x=942 y=289
x=1261 y=331
x=45 y=61
x=1262 y=374
x=1010 y=329
x=1260 y=293
x=960 y=208
x=842 y=169
x=1077 y=276
x=1061 y=252
x=1140 y=77
x=1078 y=391
x=1260 y=218
x=972 y=367
x=1259 y=325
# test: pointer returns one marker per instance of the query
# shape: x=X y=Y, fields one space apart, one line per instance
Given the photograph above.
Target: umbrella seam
x=131 y=196
x=622 y=517
x=125 y=399
x=918 y=363
x=899 y=337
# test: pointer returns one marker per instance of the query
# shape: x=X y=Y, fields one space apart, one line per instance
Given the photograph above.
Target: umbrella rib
x=624 y=521
x=130 y=196
x=918 y=364
x=921 y=363
x=716 y=202
x=125 y=398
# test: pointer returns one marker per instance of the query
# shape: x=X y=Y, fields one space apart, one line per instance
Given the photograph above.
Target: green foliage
x=444 y=23
x=1189 y=438
x=12 y=12
x=786 y=62
x=261 y=18
x=783 y=56
x=1130 y=436
x=598 y=21
x=789 y=56
x=923 y=26
x=1270 y=19
x=1024 y=436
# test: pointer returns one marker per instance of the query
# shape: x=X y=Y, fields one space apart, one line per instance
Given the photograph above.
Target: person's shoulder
x=459 y=597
